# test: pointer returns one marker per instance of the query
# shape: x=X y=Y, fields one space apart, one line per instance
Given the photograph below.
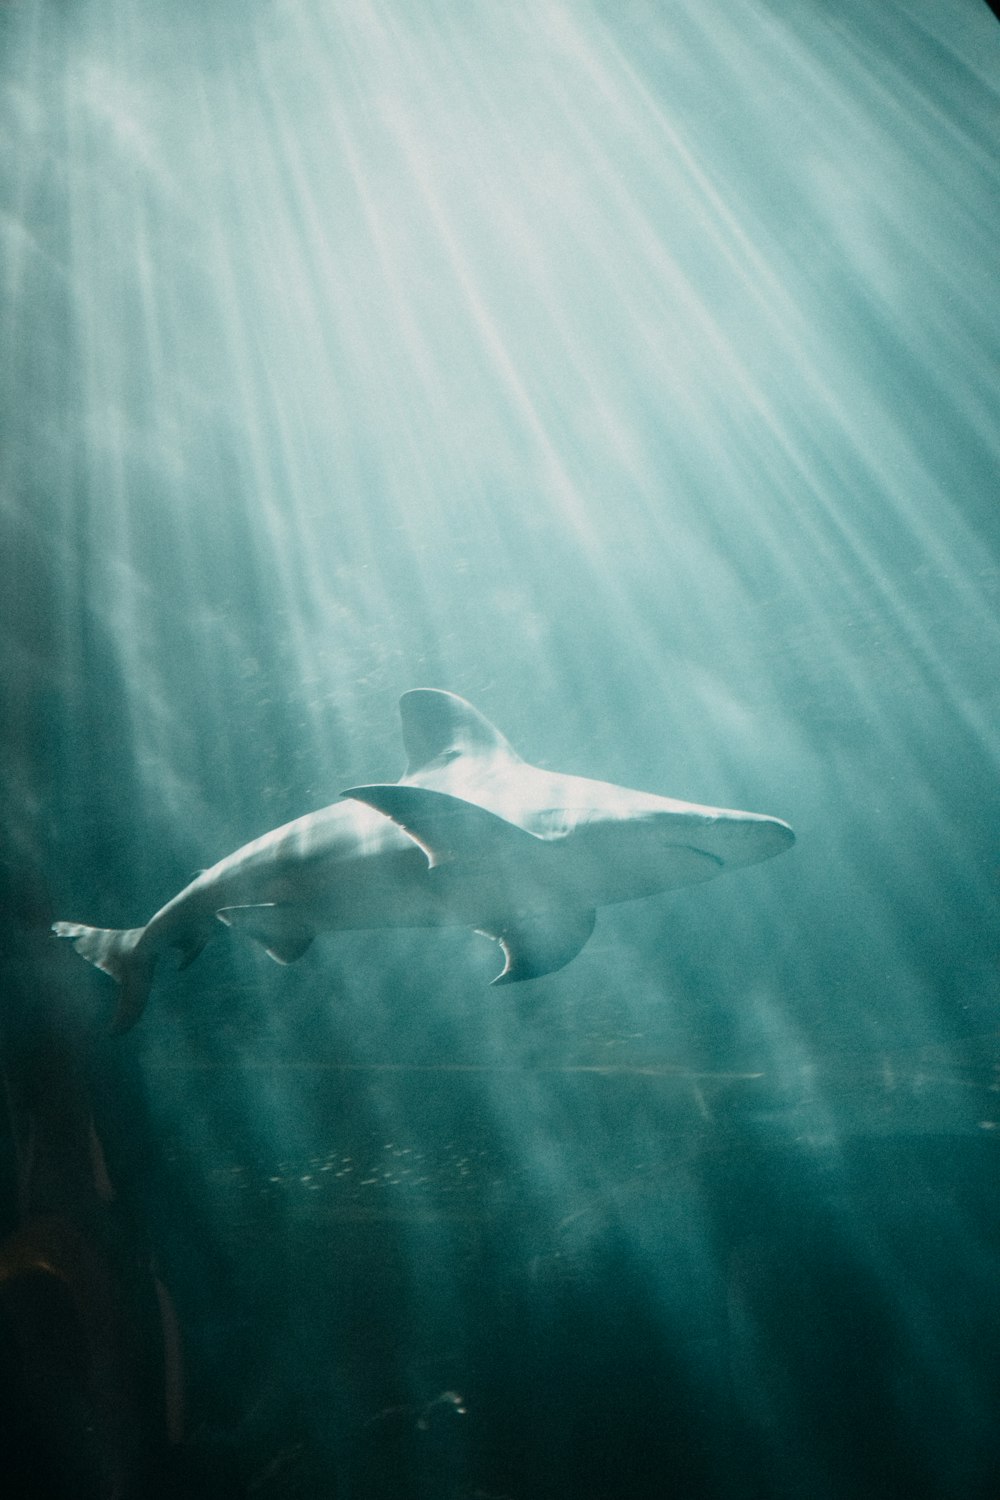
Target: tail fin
x=116 y=951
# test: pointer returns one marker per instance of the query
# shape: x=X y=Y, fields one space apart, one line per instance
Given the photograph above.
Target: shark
x=471 y=836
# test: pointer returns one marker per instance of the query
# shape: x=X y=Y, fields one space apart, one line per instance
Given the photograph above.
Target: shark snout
x=774 y=835
x=740 y=838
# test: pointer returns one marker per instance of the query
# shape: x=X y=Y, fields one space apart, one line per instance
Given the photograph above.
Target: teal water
x=630 y=370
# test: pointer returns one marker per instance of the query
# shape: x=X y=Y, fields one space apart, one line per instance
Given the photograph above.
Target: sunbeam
x=628 y=369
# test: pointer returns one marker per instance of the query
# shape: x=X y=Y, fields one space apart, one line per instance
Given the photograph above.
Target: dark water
x=632 y=371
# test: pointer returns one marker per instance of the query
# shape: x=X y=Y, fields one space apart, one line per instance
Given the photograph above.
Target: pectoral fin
x=447 y=827
x=541 y=942
x=279 y=929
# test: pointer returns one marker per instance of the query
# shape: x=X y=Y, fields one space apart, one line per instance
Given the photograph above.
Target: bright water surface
x=630 y=369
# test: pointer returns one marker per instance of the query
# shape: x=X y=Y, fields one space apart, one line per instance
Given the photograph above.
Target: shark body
x=471 y=835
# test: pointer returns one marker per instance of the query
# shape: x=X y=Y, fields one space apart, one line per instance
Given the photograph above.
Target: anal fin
x=538 y=943
x=279 y=929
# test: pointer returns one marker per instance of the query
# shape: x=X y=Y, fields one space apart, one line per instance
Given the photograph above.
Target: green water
x=631 y=370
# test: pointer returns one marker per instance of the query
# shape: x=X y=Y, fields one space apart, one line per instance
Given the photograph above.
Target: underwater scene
x=500 y=669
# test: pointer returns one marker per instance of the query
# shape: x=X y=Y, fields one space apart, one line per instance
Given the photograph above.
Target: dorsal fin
x=436 y=723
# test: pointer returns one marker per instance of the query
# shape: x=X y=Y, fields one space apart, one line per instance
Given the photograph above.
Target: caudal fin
x=117 y=952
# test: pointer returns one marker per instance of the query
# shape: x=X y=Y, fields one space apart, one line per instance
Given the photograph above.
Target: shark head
x=736 y=839
x=628 y=843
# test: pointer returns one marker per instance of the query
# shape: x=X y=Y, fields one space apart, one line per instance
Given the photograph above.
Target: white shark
x=470 y=836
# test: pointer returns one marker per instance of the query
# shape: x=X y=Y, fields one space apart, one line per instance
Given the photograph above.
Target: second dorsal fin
x=438 y=724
